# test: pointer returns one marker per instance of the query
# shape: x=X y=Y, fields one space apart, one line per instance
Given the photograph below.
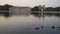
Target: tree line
x=36 y=8
x=5 y=7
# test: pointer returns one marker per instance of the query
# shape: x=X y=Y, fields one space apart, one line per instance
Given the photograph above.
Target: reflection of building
x=20 y=10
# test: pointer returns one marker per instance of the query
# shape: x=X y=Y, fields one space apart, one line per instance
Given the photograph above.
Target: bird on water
x=37 y=28
x=53 y=27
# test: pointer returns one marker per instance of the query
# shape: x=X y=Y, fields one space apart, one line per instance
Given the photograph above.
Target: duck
x=37 y=28
x=59 y=27
x=53 y=27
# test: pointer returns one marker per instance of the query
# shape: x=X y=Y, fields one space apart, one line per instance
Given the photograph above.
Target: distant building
x=20 y=10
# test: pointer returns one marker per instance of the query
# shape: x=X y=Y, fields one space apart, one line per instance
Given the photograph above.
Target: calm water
x=26 y=24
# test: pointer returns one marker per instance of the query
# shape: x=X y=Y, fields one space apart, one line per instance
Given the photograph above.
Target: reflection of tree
x=39 y=15
x=57 y=15
x=6 y=14
x=48 y=14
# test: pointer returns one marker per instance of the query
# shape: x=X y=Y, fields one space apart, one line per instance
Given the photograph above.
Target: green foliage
x=52 y=9
x=5 y=7
x=36 y=8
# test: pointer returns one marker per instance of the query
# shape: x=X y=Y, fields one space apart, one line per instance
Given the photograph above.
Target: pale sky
x=31 y=3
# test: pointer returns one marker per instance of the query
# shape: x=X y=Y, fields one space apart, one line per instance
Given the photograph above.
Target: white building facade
x=20 y=10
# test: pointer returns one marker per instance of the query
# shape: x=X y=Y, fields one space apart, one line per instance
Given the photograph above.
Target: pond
x=26 y=24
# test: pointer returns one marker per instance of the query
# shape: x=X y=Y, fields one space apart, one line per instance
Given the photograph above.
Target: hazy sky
x=31 y=3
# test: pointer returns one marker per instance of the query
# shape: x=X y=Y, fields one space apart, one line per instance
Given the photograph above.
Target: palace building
x=19 y=10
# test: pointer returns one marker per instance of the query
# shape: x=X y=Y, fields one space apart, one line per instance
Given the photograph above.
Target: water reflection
x=30 y=24
x=56 y=15
x=6 y=14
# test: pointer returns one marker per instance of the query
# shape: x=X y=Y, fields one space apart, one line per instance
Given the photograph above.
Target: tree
x=36 y=8
x=5 y=7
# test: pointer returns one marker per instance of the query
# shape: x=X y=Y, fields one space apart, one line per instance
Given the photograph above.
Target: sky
x=31 y=3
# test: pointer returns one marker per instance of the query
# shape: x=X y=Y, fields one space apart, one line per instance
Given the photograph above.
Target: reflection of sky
x=26 y=24
x=50 y=20
x=31 y=2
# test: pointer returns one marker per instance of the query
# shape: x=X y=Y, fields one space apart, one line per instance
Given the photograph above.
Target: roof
x=20 y=7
